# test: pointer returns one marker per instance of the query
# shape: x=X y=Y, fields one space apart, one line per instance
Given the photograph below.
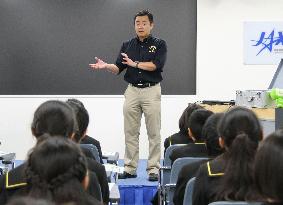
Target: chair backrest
x=180 y=163
x=93 y=150
x=176 y=168
x=188 y=197
x=167 y=163
x=167 y=160
x=235 y=203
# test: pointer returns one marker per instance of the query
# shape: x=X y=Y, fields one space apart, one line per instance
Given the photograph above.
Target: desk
x=262 y=113
x=265 y=115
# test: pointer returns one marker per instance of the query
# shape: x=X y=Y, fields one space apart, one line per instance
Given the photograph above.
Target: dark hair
x=241 y=131
x=268 y=167
x=211 y=136
x=184 y=119
x=82 y=117
x=55 y=170
x=29 y=201
x=53 y=117
x=197 y=121
x=145 y=13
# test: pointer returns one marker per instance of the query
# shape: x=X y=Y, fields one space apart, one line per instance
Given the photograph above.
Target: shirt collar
x=145 y=40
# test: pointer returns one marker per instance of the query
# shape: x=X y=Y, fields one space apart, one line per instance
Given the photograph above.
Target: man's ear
x=85 y=181
x=84 y=134
x=191 y=134
x=72 y=137
x=221 y=142
x=261 y=135
x=33 y=131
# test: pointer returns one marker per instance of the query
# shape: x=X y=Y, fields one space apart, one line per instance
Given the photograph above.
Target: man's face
x=143 y=26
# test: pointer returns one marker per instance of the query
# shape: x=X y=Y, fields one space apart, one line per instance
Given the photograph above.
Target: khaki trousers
x=137 y=102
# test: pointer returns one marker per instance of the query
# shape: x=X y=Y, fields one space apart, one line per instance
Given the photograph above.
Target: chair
x=111 y=157
x=114 y=193
x=165 y=170
x=176 y=168
x=169 y=150
x=235 y=203
x=92 y=149
x=7 y=159
x=189 y=192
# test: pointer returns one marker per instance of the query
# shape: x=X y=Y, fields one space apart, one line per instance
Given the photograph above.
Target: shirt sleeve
x=119 y=59
x=160 y=57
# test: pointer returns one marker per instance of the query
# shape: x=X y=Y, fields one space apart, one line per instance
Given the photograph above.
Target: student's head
x=184 y=119
x=29 y=201
x=210 y=134
x=82 y=118
x=54 y=118
x=57 y=171
x=143 y=23
x=196 y=123
x=269 y=166
x=240 y=133
x=239 y=124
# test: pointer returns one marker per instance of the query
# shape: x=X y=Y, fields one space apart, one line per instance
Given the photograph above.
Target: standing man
x=143 y=58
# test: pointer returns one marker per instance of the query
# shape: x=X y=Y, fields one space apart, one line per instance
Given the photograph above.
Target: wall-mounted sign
x=263 y=42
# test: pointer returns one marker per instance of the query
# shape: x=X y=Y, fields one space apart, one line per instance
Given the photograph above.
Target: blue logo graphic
x=267 y=42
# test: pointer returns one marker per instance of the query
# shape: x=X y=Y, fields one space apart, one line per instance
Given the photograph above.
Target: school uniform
x=197 y=149
x=14 y=184
x=89 y=140
x=177 y=138
x=207 y=179
x=100 y=172
x=187 y=172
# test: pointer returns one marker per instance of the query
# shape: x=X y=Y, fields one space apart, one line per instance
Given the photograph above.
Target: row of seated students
x=69 y=121
x=191 y=124
x=233 y=175
x=197 y=147
x=210 y=135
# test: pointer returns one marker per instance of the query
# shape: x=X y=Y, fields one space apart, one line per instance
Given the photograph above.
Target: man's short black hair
x=82 y=117
x=210 y=134
x=197 y=121
x=184 y=119
x=145 y=13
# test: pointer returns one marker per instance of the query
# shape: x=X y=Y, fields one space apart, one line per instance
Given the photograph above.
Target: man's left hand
x=127 y=60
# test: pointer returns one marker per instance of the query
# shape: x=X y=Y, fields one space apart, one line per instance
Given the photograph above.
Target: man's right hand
x=100 y=64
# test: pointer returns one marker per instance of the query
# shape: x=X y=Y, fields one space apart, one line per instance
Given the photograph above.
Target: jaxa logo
x=152 y=49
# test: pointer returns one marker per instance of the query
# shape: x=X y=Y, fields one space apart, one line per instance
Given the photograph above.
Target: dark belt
x=143 y=85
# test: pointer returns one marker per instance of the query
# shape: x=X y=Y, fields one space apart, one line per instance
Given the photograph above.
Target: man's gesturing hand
x=100 y=64
x=127 y=60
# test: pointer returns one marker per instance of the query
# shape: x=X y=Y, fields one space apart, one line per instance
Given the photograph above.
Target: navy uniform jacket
x=207 y=179
x=14 y=184
x=197 y=149
x=177 y=138
x=100 y=172
x=89 y=140
x=187 y=172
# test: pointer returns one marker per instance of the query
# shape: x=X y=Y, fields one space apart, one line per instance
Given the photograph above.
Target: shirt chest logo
x=152 y=49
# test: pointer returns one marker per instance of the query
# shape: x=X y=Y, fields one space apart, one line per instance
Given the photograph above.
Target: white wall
x=220 y=71
x=106 y=121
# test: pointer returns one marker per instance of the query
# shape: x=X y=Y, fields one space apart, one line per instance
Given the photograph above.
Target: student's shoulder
x=95 y=165
x=14 y=179
x=215 y=167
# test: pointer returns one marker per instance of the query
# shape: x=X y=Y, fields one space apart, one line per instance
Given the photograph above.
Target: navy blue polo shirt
x=150 y=50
